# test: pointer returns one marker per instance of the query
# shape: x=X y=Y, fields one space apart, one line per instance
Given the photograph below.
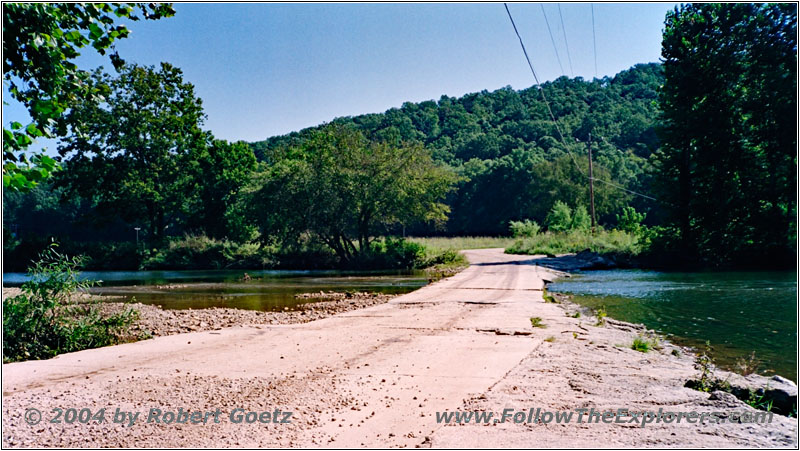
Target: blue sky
x=269 y=69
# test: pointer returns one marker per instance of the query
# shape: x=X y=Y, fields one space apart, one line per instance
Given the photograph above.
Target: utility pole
x=591 y=185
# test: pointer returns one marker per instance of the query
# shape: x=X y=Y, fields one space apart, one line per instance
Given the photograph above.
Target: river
x=737 y=312
x=267 y=290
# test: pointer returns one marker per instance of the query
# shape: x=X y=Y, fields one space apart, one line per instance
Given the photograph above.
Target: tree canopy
x=40 y=44
x=505 y=146
x=729 y=158
x=131 y=154
x=346 y=190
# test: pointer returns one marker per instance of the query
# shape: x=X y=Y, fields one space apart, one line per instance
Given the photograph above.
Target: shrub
x=46 y=320
x=526 y=228
x=392 y=253
x=559 y=219
x=202 y=252
x=644 y=343
x=580 y=219
x=641 y=344
x=603 y=242
x=630 y=221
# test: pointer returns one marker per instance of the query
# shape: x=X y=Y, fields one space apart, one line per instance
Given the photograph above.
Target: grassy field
x=463 y=242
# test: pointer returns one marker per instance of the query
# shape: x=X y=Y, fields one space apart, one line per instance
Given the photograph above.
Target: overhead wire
x=594 y=42
x=541 y=91
x=550 y=111
x=566 y=43
x=550 y=32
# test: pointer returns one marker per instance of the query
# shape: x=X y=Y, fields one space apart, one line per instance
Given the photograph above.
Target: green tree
x=132 y=154
x=728 y=162
x=630 y=220
x=221 y=170
x=560 y=217
x=580 y=219
x=40 y=43
x=344 y=190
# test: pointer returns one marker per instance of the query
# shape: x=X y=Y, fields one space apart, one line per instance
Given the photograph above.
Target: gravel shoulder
x=376 y=376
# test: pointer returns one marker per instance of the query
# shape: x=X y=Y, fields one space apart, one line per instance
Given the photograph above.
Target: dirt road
x=377 y=376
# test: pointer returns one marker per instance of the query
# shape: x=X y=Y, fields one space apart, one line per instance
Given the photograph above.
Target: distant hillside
x=510 y=153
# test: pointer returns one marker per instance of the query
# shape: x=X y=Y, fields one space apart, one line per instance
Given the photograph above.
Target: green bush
x=202 y=252
x=602 y=242
x=559 y=219
x=580 y=219
x=527 y=228
x=46 y=320
x=630 y=220
x=392 y=253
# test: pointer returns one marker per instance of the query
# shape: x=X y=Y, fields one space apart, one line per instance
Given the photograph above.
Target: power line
x=550 y=32
x=541 y=91
x=594 y=42
x=555 y=122
x=564 y=29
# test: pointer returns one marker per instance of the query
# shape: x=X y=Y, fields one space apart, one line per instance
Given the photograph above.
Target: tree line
x=710 y=134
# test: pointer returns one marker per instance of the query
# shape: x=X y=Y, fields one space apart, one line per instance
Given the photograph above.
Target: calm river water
x=266 y=290
x=737 y=312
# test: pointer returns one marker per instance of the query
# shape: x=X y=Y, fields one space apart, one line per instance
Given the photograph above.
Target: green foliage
x=222 y=170
x=131 y=153
x=505 y=146
x=396 y=253
x=46 y=319
x=728 y=165
x=549 y=298
x=580 y=219
x=40 y=44
x=442 y=244
x=537 y=322
x=343 y=190
x=758 y=401
x=603 y=242
x=601 y=315
x=707 y=381
x=641 y=344
x=559 y=219
x=520 y=229
x=630 y=221
x=203 y=252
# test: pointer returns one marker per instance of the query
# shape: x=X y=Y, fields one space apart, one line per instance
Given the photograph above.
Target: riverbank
x=155 y=321
x=376 y=377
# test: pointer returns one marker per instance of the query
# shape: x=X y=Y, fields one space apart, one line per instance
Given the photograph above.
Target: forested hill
x=510 y=154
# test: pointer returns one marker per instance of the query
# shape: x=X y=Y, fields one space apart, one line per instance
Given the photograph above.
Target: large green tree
x=728 y=162
x=132 y=155
x=345 y=190
x=220 y=171
x=40 y=44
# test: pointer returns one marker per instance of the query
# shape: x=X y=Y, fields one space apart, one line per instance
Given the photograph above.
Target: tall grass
x=460 y=243
x=554 y=243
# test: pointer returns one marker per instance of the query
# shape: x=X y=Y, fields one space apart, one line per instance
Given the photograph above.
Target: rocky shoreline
x=777 y=392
